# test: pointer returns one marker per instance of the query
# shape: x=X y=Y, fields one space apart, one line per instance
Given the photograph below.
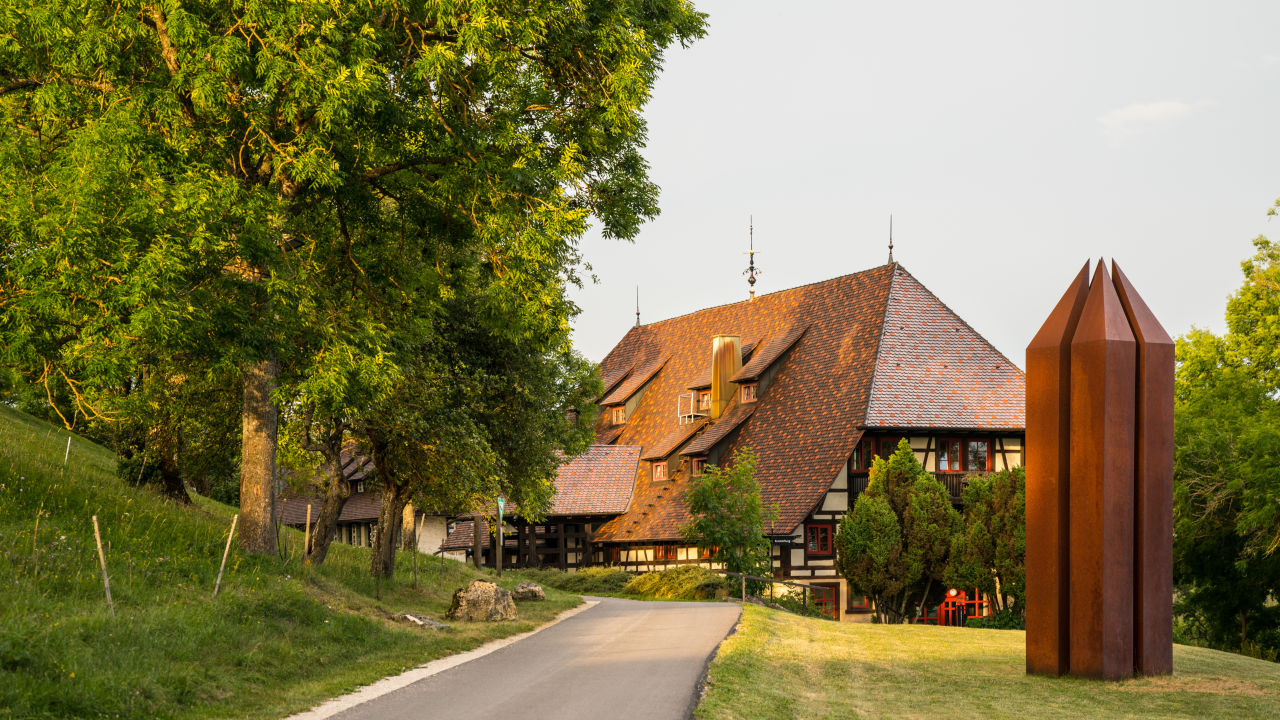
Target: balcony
x=954 y=482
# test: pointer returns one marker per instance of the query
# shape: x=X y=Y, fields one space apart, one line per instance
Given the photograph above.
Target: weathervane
x=637 y=304
x=890 y=239
x=751 y=270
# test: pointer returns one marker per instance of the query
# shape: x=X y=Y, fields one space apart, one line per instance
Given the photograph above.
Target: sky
x=1010 y=141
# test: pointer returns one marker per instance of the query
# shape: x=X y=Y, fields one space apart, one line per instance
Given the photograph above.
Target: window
x=826 y=599
x=665 y=552
x=360 y=486
x=949 y=456
x=660 y=471
x=615 y=555
x=619 y=415
x=855 y=600
x=697 y=465
x=818 y=539
x=888 y=446
x=749 y=392
x=704 y=400
x=707 y=553
x=978 y=456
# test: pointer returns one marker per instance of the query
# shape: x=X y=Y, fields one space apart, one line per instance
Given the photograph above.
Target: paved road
x=620 y=660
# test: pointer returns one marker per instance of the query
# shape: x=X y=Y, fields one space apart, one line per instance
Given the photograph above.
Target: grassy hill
x=279 y=638
x=783 y=666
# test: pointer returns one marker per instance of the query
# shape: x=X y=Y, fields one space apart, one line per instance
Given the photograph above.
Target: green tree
x=203 y=183
x=989 y=552
x=728 y=516
x=894 y=545
x=1226 y=479
x=1226 y=568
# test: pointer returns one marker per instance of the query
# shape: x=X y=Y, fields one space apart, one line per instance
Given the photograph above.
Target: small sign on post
x=497 y=554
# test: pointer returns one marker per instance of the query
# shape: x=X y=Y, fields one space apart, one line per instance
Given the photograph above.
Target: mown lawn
x=280 y=637
x=783 y=666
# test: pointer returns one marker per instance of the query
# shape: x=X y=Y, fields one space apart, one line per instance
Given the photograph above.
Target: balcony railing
x=954 y=482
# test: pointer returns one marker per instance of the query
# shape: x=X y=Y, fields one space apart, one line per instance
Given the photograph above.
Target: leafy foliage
x=1226 y=479
x=895 y=545
x=989 y=552
x=728 y=515
x=305 y=195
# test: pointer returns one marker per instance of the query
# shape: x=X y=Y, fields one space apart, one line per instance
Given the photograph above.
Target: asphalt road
x=620 y=660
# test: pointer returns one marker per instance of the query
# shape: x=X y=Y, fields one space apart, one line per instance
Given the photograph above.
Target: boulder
x=482 y=602
x=528 y=591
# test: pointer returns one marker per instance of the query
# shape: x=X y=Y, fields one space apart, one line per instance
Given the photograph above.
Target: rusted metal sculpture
x=1099 y=485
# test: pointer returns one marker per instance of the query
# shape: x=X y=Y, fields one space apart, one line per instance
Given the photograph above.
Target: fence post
x=102 y=559
x=226 y=551
x=744 y=588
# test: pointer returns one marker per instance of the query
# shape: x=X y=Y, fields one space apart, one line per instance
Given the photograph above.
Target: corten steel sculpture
x=1099 y=485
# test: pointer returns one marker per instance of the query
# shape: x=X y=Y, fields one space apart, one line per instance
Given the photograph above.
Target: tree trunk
x=923 y=598
x=477 y=543
x=407 y=536
x=384 y=539
x=258 y=460
x=335 y=497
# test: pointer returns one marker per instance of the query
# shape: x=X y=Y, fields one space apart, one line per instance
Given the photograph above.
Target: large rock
x=528 y=591
x=482 y=602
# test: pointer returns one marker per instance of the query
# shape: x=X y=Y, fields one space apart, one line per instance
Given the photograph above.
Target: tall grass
x=279 y=638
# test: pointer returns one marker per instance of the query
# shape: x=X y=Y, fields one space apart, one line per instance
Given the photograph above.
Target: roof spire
x=751 y=270
x=637 y=304
x=890 y=238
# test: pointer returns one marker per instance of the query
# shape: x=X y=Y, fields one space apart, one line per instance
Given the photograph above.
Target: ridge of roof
x=755 y=299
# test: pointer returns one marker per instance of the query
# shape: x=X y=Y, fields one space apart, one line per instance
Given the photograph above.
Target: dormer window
x=619 y=415
x=704 y=400
x=659 y=471
x=749 y=392
x=697 y=465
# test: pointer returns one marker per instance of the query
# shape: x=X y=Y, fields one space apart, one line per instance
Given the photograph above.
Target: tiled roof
x=618 y=375
x=770 y=353
x=635 y=381
x=597 y=482
x=935 y=371
x=805 y=423
x=703 y=381
x=732 y=417
x=360 y=507
x=460 y=538
x=673 y=440
x=609 y=434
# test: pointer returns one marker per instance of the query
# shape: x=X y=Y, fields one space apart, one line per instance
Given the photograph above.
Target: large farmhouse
x=817 y=380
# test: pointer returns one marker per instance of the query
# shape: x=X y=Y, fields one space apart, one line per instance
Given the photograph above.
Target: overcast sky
x=1011 y=141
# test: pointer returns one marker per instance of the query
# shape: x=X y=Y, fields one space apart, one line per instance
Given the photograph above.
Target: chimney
x=726 y=361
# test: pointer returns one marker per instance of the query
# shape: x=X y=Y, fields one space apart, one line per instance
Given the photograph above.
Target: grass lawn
x=280 y=637
x=783 y=666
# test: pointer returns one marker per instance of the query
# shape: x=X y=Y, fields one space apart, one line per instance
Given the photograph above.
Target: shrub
x=686 y=582
x=591 y=581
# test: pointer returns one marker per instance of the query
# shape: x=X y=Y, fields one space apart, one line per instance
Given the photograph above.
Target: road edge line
x=390 y=684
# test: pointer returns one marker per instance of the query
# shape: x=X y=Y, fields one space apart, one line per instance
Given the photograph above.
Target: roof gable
x=934 y=370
